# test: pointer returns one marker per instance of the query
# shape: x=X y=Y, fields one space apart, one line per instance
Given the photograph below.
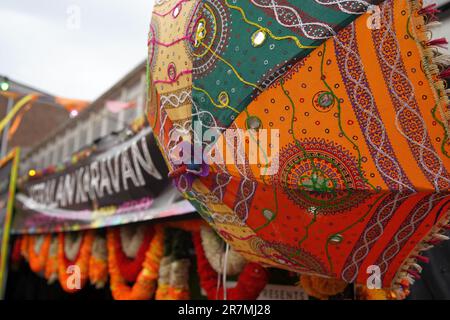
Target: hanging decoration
x=136 y=126
x=213 y=246
x=18 y=120
x=164 y=266
x=115 y=106
x=179 y=267
x=346 y=118
x=98 y=263
x=74 y=250
x=39 y=246
x=364 y=293
x=25 y=102
x=130 y=246
x=320 y=287
x=51 y=268
x=16 y=252
x=145 y=285
x=251 y=281
x=24 y=246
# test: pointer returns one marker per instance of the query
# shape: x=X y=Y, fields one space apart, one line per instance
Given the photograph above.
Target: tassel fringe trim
x=436 y=64
x=437 y=69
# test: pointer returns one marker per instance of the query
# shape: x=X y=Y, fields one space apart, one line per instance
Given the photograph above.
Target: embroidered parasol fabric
x=354 y=175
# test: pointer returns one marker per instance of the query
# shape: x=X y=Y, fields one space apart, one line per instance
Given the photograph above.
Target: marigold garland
x=164 y=266
x=51 y=268
x=251 y=281
x=145 y=285
x=306 y=284
x=16 y=255
x=38 y=260
x=130 y=267
x=164 y=278
x=375 y=294
x=24 y=246
x=213 y=247
x=173 y=281
x=82 y=260
x=179 y=280
x=72 y=246
x=364 y=293
x=98 y=264
x=320 y=287
x=179 y=268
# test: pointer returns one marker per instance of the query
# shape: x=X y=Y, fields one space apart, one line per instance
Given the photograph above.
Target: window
x=96 y=128
x=40 y=160
x=70 y=146
x=111 y=124
x=49 y=158
x=82 y=137
x=129 y=115
x=59 y=154
x=140 y=105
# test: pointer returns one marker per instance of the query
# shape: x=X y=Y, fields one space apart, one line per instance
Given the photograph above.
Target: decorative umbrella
x=319 y=133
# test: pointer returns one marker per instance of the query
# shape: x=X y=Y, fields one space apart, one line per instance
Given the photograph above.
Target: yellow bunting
x=21 y=103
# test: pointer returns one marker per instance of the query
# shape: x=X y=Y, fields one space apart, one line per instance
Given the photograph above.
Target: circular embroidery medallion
x=323 y=101
x=322 y=175
x=209 y=36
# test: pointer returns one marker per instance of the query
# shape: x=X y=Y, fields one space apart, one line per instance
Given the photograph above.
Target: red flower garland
x=145 y=285
x=16 y=255
x=81 y=260
x=24 y=243
x=38 y=260
x=251 y=281
x=130 y=268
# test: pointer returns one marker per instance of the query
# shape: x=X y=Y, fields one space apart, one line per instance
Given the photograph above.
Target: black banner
x=123 y=183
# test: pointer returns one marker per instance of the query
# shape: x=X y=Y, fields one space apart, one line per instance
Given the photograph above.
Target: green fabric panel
x=239 y=68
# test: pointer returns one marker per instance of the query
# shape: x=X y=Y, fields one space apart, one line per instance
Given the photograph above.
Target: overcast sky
x=72 y=48
x=46 y=44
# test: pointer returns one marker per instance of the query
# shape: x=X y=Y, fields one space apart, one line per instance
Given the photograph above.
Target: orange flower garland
x=173 y=281
x=16 y=254
x=250 y=283
x=98 y=264
x=145 y=285
x=51 y=268
x=321 y=288
x=165 y=266
x=131 y=266
x=24 y=246
x=82 y=261
x=98 y=272
x=179 y=280
x=179 y=268
x=162 y=291
x=38 y=260
x=374 y=294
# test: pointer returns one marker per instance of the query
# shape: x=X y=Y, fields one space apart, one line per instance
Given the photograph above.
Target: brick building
x=94 y=122
x=36 y=122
